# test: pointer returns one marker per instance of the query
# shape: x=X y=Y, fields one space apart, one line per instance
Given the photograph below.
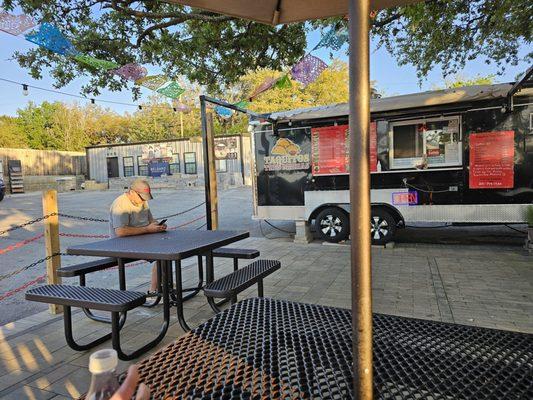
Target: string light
x=25 y=92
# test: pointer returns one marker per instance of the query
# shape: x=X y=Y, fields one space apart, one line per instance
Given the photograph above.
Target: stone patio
x=485 y=286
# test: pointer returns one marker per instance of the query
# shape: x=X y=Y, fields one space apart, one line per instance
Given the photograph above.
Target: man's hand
x=126 y=390
x=155 y=227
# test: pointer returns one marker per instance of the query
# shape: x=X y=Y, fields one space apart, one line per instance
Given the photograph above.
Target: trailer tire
x=332 y=224
x=382 y=226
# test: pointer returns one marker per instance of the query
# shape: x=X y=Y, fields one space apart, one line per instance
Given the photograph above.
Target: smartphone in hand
x=162 y=222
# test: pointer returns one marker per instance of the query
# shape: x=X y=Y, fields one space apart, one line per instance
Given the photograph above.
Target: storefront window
x=426 y=143
x=175 y=164
x=128 y=166
x=142 y=167
x=189 y=160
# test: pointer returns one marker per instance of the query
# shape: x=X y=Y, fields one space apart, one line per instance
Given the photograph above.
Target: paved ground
x=235 y=213
x=485 y=286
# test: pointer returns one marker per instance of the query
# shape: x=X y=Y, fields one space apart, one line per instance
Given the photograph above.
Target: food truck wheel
x=382 y=226
x=332 y=224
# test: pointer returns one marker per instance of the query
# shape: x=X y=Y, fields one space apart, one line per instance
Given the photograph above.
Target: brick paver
x=483 y=286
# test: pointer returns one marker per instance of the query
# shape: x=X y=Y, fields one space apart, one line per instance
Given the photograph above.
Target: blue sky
x=391 y=78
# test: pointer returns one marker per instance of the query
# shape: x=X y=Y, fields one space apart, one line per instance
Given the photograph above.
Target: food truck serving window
x=425 y=143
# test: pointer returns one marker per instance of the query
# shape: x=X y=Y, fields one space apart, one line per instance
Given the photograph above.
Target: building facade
x=170 y=163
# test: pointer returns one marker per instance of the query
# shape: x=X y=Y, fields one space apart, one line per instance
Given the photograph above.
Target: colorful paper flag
x=96 y=62
x=242 y=104
x=172 y=90
x=267 y=84
x=51 y=38
x=334 y=39
x=131 y=72
x=182 y=107
x=283 y=82
x=15 y=24
x=223 y=111
x=308 y=69
x=152 y=82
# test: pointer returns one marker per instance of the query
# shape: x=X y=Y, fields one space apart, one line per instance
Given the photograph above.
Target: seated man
x=130 y=215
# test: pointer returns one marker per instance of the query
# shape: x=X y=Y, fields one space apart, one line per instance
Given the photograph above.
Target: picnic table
x=164 y=248
x=273 y=349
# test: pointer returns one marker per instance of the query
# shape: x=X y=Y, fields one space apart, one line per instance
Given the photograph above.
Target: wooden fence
x=45 y=162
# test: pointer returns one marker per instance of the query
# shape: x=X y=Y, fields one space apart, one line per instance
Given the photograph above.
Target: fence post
x=51 y=239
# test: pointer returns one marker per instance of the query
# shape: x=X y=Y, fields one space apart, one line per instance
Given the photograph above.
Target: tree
x=10 y=133
x=460 y=81
x=216 y=50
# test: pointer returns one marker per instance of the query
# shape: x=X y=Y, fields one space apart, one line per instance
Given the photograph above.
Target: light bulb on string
x=25 y=91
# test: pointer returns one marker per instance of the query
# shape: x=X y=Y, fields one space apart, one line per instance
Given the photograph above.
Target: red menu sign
x=373 y=147
x=330 y=150
x=492 y=160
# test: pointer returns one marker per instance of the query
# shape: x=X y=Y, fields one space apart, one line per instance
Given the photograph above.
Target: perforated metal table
x=164 y=248
x=272 y=349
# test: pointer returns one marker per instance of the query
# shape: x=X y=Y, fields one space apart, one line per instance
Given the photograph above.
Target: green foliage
x=11 y=135
x=450 y=33
x=461 y=81
x=63 y=126
x=529 y=216
x=216 y=50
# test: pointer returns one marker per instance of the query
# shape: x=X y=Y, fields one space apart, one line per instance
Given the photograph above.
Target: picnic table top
x=276 y=349
x=169 y=245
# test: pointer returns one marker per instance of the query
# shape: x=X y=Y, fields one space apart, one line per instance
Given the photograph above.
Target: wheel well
x=323 y=207
x=392 y=210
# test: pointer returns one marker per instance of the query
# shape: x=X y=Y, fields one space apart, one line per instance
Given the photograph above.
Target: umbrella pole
x=359 y=14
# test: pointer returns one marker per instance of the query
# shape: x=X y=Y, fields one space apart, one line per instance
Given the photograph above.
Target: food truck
x=462 y=155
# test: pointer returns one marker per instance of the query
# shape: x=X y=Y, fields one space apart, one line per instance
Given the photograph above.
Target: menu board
x=331 y=153
x=492 y=160
x=329 y=149
x=373 y=147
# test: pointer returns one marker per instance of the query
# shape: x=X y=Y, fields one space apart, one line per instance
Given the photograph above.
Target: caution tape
x=12 y=292
x=20 y=244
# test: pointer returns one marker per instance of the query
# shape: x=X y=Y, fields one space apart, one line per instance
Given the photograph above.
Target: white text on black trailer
x=461 y=155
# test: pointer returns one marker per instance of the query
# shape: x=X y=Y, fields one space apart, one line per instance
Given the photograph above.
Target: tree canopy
x=216 y=50
x=63 y=126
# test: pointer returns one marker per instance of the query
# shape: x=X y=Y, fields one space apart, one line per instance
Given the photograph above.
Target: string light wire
x=25 y=87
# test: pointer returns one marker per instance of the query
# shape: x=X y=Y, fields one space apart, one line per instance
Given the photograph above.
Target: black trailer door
x=112 y=167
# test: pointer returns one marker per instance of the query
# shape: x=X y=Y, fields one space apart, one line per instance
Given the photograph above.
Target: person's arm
x=139 y=230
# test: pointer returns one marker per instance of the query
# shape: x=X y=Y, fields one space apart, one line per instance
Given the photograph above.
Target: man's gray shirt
x=124 y=213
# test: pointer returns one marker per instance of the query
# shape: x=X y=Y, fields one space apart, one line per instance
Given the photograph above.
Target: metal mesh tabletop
x=272 y=349
x=170 y=245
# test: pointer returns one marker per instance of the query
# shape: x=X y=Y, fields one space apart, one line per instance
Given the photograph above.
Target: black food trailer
x=462 y=155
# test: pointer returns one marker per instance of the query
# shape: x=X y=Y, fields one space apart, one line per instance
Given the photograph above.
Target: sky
x=391 y=78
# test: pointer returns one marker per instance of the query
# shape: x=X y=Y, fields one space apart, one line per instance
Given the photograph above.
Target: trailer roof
x=415 y=100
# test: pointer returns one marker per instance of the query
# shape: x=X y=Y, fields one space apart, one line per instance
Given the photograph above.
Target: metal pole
x=359 y=11
x=205 y=147
x=181 y=118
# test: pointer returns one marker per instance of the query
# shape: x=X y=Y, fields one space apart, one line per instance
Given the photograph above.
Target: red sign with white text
x=331 y=153
x=373 y=147
x=492 y=160
x=329 y=147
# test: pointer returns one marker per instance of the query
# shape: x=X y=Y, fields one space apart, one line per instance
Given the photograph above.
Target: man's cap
x=142 y=188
